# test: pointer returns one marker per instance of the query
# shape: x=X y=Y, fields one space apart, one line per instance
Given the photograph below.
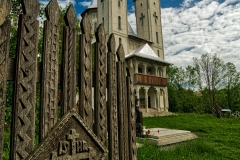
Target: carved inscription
x=73 y=148
x=4 y=50
x=100 y=123
x=25 y=84
x=69 y=62
x=50 y=69
x=112 y=100
x=131 y=114
x=85 y=107
x=122 y=105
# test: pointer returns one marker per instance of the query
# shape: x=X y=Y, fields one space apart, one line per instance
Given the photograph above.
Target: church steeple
x=149 y=25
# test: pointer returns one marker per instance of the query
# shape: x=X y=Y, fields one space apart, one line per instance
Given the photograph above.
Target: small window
x=157 y=37
x=120 y=41
x=139 y=70
x=102 y=4
x=103 y=21
x=119 y=22
x=119 y=4
x=154 y=3
x=95 y=26
x=141 y=4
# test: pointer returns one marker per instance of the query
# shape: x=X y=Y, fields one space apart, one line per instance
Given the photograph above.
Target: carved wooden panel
x=5 y=25
x=70 y=139
x=25 y=84
x=112 y=100
x=85 y=96
x=100 y=109
x=122 y=105
x=69 y=62
x=131 y=114
x=49 y=93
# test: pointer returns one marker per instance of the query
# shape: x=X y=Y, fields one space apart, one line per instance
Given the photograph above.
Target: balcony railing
x=150 y=80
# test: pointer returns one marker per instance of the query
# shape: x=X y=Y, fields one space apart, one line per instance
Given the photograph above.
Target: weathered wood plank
x=23 y=123
x=131 y=114
x=5 y=7
x=85 y=96
x=100 y=109
x=69 y=62
x=49 y=87
x=112 y=100
x=122 y=105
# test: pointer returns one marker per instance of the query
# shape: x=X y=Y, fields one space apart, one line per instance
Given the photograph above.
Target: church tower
x=149 y=25
x=113 y=15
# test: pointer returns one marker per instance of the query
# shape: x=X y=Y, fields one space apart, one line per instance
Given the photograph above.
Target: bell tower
x=113 y=15
x=149 y=25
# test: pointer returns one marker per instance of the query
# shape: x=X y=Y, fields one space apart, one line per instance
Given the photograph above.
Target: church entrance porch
x=151 y=97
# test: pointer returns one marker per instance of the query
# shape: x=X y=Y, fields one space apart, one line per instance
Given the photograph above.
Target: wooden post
x=5 y=25
x=23 y=123
x=85 y=96
x=69 y=61
x=122 y=105
x=112 y=100
x=131 y=114
x=100 y=109
x=49 y=87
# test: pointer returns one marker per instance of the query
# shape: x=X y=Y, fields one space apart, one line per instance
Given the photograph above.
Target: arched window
x=119 y=22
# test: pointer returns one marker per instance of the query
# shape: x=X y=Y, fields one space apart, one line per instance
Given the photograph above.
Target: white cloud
x=206 y=26
x=61 y=3
x=85 y=3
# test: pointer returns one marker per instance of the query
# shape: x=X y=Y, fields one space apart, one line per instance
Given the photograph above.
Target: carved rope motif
x=69 y=61
x=100 y=123
x=122 y=105
x=85 y=107
x=50 y=70
x=4 y=51
x=112 y=100
x=25 y=85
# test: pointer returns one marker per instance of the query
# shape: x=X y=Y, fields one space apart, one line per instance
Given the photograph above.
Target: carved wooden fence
x=81 y=132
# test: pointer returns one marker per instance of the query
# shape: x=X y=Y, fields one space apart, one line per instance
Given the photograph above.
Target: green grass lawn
x=218 y=139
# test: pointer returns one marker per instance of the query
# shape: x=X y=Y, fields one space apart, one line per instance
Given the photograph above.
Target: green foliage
x=209 y=83
x=217 y=138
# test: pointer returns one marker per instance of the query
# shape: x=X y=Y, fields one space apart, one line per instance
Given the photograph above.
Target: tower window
x=157 y=37
x=119 y=4
x=120 y=41
x=103 y=21
x=119 y=22
x=154 y=3
x=95 y=26
x=102 y=4
x=141 y=4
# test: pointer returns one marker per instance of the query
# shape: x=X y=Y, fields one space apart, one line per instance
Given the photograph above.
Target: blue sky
x=192 y=28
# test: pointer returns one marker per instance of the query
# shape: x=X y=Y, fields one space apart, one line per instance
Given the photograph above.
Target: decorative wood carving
x=122 y=105
x=100 y=109
x=49 y=92
x=85 y=96
x=131 y=114
x=112 y=100
x=69 y=62
x=70 y=139
x=23 y=123
x=5 y=7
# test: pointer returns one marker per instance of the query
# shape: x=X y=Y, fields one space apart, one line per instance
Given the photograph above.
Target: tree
x=211 y=71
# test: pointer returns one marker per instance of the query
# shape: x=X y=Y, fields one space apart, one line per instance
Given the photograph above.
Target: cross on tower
x=142 y=17
x=155 y=16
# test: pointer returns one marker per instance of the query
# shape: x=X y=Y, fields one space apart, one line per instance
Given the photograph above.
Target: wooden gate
x=94 y=128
